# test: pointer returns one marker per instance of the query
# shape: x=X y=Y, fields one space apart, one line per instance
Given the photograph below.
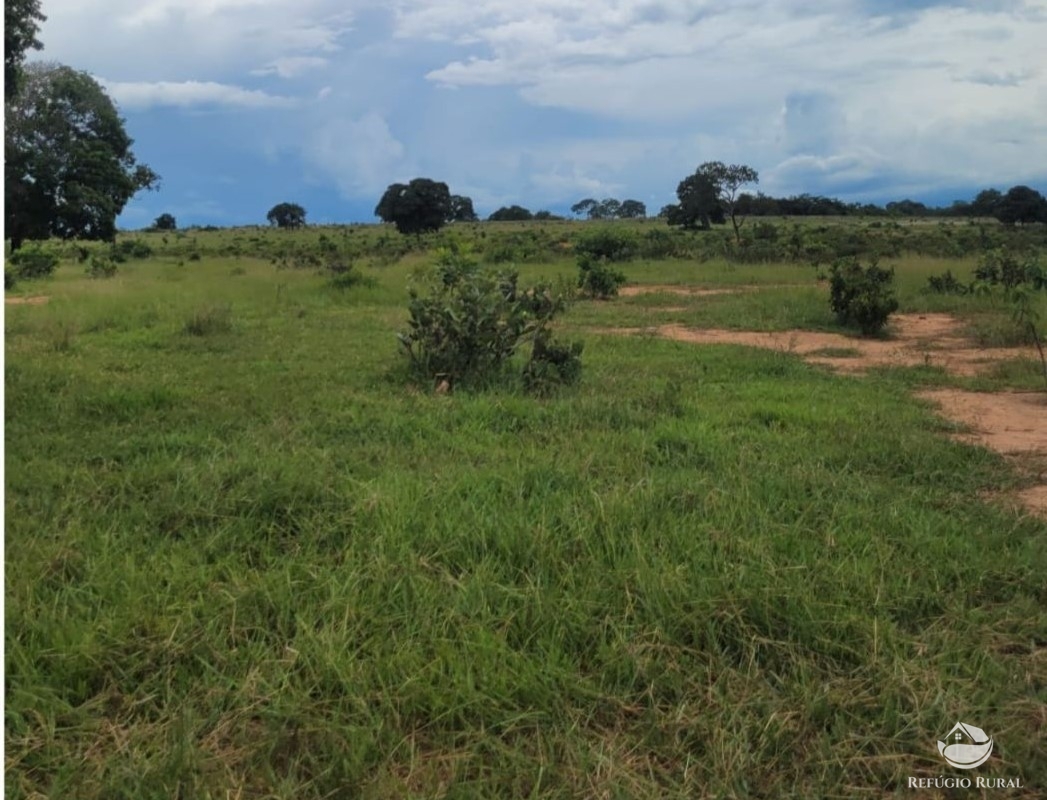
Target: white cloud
x=291 y=66
x=184 y=94
x=360 y=156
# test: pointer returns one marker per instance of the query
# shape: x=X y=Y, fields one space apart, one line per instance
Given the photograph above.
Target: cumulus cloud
x=558 y=100
x=360 y=156
x=185 y=94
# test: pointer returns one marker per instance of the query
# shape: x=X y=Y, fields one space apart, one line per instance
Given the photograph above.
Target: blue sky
x=242 y=104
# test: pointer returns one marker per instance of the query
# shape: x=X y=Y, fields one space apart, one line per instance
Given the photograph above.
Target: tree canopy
x=69 y=170
x=286 y=215
x=416 y=207
x=512 y=213
x=165 y=222
x=461 y=209
x=699 y=203
x=21 y=25
x=1021 y=204
x=711 y=195
x=609 y=208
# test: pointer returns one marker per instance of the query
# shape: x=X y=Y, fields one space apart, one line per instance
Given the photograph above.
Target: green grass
x=253 y=563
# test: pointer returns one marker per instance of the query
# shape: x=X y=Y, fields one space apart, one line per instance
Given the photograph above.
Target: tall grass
x=258 y=566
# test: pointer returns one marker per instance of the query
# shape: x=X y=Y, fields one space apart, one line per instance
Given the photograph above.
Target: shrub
x=1003 y=268
x=131 y=248
x=607 y=244
x=946 y=283
x=9 y=279
x=100 y=266
x=861 y=296
x=552 y=364
x=597 y=279
x=468 y=322
x=32 y=262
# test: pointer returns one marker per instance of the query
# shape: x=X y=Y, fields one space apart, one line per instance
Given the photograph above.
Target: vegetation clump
x=466 y=323
x=100 y=266
x=862 y=296
x=33 y=261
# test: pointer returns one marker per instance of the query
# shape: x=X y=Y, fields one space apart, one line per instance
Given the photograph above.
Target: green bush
x=862 y=296
x=606 y=244
x=999 y=267
x=946 y=283
x=552 y=364
x=100 y=266
x=597 y=279
x=32 y=261
x=466 y=323
x=131 y=249
x=9 y=279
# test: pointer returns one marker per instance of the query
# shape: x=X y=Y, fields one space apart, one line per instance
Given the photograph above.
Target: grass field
x=244 y=559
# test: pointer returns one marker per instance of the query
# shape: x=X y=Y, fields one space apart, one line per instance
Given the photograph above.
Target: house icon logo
x=965 y=746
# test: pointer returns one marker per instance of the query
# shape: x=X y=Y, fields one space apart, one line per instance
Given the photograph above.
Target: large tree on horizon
x=69 y=169
x=417 y=207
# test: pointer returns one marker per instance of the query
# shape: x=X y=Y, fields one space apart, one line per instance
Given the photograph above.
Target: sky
x=243 y=104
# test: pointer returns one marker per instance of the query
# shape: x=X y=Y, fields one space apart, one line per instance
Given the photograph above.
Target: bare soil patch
x=1008 y=422
x=1012 y=423
x=38 y=300
x=916 y=340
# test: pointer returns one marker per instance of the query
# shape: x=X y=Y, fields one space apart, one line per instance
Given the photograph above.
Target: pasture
x=247 y=558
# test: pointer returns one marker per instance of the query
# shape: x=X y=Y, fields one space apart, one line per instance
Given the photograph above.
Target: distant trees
x=511 y=214
x=609 y=208
x=699 y=203
x=68 y=167
x=1021 y=204
x=985 y=202
x=546 y=215
x=632 y=209
x=417 y=207
x=728 y=179
x=165 y=222
x=461 y=209
x=907 y=208
x=286 y=215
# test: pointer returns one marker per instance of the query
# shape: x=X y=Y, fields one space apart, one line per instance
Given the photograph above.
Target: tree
x=728 y=179
x=286 y=215
x=632 y=209
x=461 y=209
x=416 y=207
x=609 y=208
x=21 y=18
x=545 y=215
x=1021 y=204
x=699 y=204
x=585 y=206
x=985 y=202
x=165 y=222
x=69 y=170
x=511 y=214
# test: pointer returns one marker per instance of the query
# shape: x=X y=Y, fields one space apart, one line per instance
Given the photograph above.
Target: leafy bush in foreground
x=862 y=296
x=32 y=261
x=468 y=322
